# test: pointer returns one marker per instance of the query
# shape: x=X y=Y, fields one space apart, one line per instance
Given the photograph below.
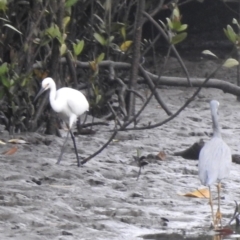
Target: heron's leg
x=75 y=148
x=62 y=149
x=218 y=214
x=211 y=205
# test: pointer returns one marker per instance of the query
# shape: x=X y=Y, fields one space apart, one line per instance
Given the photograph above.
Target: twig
x=153 y=89
x=114 y=113
x=101 y=149
x=180 y=109
x=94 y=124
x=72 y=69
x=138 y=113
x=172 y=46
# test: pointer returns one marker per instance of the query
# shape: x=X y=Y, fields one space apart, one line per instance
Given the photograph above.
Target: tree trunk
x=135 y=58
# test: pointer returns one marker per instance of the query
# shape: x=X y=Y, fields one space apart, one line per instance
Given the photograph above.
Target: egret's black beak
x=39 y=93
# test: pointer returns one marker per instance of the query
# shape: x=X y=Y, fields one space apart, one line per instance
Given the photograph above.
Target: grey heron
x=214 y=161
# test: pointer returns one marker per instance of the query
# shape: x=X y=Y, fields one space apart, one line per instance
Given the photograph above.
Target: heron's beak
x=39 y=93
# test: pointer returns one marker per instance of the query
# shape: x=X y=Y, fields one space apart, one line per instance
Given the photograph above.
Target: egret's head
x=46 y=84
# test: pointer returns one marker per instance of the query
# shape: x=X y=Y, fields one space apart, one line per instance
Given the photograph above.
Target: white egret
x=69 y=104
x=214 y=161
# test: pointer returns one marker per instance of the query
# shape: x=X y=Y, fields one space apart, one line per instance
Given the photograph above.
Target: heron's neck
x=52 y=98
x=216 y=126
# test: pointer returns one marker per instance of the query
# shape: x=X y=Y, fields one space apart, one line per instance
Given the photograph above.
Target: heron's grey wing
x=205 y=166
x=213 y=161
x=225 y=161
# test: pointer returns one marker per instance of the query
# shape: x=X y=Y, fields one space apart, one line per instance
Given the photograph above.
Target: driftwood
x=225 y=86
x=192 y=153
x=164 y=80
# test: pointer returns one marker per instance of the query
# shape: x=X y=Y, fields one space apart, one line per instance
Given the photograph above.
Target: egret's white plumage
x=215 y=158
x=68 y=103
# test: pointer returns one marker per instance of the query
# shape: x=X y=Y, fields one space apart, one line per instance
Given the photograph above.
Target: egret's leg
x=211 y=205
x=218 y=214
x=62 y=149
x=75 y=147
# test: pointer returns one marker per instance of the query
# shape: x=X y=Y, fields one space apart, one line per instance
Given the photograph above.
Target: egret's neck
x=216 y=126
x=53 y=98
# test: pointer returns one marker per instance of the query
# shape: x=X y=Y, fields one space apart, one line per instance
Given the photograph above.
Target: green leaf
x=176 y=13
x=63 y=49
x=98 y=98
x=11 y=27
x=77 y=48
x=100 y=39
x=54 y=32
x=108 y=41
x=66 y=21
x=230 y=62
x=182 y=27
x=169 y=23
x=5 y=82
x=234 y=21
x=50 y=32
x=3 y=69
x=178 y=38
x=231 y=35
x=108 y=5
x=70 y=3
x=176 y=25
x=3 y=5
x=45 y=42
x=100 y=57
x=115 y=47
x=123 y=33
x=24 y=82
x=207 y=52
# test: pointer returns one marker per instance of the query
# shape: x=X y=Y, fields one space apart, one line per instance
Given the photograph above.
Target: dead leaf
x=199 y=193
x=11 y=151
x=225 y=231
x=94 y=66
x=40 y=73
x=161 y=155
x=15 y=141
x=126 y=45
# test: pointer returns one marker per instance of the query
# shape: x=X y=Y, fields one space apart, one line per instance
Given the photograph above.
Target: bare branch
x=172 y=46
